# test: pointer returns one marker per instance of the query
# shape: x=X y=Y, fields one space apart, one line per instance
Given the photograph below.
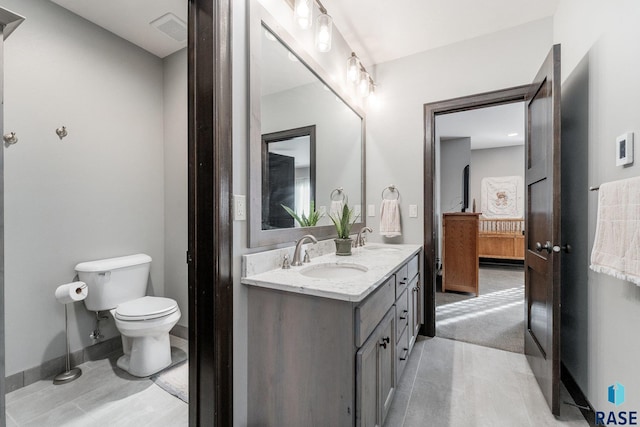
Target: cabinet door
x=387 y=363
x=367 y=410
x=375 y=374
x=415 y=312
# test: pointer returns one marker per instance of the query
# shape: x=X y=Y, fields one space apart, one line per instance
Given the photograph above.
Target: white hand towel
x=616 y=249
x=390 y=218
x=335 y=210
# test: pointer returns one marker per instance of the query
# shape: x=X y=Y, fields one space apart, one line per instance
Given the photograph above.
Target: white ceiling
x=131 y=20
x=383 y=30
x=487 y=127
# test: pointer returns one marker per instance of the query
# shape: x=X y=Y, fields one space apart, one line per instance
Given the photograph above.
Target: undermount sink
x=380 y=248
x=332 y=270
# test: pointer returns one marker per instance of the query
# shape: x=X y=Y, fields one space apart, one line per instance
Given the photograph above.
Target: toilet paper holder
x=66 y=294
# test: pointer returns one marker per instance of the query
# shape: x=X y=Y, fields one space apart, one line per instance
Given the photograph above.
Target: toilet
x=119 y=285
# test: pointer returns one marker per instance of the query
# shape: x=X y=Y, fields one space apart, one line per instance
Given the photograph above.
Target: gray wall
x=175 y=181
x=98 y=193
x=501 y=161
x=395 y=130
x=455 y=155
x=606 y=33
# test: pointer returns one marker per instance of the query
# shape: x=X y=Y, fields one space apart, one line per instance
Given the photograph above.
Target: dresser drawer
x=402 y=313
x=412 y=267
x=372 y=310
x=402 y=276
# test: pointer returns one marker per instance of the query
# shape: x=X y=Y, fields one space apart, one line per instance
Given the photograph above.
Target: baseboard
x=54 y=366
x=180 y=332
x=578 y=396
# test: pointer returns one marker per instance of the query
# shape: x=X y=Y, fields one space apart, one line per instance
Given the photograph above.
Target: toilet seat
x=145 y=308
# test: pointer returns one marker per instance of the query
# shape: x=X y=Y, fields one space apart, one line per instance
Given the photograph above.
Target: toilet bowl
x=144 y=324
x=119 y=285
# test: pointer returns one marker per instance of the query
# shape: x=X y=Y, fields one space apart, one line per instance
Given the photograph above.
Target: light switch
x=371 y=210
x=239 y=207
x=413 y=211
x=624 y=149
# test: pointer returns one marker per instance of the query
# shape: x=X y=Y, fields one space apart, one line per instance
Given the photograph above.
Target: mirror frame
x=258 y=237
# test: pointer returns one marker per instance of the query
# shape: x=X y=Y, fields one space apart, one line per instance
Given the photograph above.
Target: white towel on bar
x=616 y=249
x=390 y=218
x=335 y=210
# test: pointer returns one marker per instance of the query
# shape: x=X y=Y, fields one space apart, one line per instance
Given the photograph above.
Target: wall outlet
x=413 y=211
x=371 y=210
x=357 y=210
x=239 y=207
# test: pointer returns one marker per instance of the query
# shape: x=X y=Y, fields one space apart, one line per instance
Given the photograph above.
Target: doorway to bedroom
x=479 y=203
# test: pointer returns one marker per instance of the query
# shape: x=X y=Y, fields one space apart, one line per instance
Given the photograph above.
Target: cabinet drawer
x=370 y=312
x=412 y=267
x=402 y=354
x=402 y=313
x=401 y=280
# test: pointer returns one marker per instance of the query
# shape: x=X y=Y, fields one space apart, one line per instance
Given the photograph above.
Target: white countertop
x=381 y=261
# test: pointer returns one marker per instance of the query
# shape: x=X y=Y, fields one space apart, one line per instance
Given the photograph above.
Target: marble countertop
x=381 y=261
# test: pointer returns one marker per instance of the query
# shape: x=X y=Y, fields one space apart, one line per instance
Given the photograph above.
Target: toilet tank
x=113 y=281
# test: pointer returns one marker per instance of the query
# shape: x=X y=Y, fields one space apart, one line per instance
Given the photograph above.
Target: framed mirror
x=306 y=140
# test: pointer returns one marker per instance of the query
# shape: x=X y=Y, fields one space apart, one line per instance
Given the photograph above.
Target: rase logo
x=615 y=395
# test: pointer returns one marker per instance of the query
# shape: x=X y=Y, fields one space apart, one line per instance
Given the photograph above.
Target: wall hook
x=10 y=138
x=61 y=132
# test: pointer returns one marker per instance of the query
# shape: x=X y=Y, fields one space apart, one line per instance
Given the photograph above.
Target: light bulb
x=372 y=99
x=302 y=13
x=353 y=68
x=363 y=85
x=324 y=25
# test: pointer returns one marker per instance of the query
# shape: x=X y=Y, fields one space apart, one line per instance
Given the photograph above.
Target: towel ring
x=338 y=191
x=392 y=188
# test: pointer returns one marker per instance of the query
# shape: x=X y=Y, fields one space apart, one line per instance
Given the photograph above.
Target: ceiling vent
x=172 y=26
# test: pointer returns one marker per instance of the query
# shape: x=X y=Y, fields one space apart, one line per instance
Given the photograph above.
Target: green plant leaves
x=344 y=221
x=304 y=221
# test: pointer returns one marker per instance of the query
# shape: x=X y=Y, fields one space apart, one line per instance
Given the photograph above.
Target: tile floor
x=453 y=383
x=103 y=396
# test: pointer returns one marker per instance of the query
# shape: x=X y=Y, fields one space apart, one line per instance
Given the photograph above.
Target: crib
x=501 y=238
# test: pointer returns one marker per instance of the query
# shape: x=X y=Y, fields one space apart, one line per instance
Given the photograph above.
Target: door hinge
x=189 y=259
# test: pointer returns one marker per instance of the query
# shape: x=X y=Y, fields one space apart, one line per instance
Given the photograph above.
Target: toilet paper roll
x=71 y=292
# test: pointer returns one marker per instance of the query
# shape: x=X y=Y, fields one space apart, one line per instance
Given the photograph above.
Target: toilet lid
x=146 y=308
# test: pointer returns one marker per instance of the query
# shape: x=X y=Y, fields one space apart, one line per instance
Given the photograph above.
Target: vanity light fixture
x=353 y=68
x=324 y=28
x=363 y=85
x=302 y=12
x=372 y=99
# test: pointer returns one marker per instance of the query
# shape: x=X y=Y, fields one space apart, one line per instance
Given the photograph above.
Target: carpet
x=175 y=380
x=493 y=319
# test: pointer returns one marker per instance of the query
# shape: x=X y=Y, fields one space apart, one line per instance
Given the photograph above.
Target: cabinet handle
x=404 y=315
x=384 y=342
x=406 y=353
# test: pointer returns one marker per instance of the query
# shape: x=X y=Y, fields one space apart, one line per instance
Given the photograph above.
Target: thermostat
x=624 y=149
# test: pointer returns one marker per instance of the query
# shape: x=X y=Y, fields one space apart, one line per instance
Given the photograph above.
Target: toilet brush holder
x=67 y=294
x=69 y=374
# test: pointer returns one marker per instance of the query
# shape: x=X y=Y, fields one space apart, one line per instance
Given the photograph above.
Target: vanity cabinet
x=316 y=360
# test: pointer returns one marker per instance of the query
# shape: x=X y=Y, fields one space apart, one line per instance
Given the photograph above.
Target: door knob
x=547 y=246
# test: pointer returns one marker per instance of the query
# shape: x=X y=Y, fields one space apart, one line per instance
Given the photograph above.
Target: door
x=282 y=190
x=542 y=257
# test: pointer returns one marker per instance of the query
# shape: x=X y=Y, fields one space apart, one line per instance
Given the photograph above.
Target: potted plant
x=343 y=222
x=304 y=221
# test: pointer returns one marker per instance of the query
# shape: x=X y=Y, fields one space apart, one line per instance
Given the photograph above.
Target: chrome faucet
x=296 y=254
x=360 y=236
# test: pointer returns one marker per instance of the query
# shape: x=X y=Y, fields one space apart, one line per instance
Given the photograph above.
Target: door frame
x=431 y=110
x=210 y=248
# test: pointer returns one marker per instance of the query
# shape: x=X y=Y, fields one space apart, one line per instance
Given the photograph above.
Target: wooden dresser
x=460 y=252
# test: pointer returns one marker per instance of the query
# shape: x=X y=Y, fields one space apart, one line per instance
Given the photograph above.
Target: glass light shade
x=363 y=85
x=302 y=13
x=372 y=99
x=353 y=68
x=324 y=26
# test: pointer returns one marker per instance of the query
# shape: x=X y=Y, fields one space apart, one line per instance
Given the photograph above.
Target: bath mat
x=175 y=380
